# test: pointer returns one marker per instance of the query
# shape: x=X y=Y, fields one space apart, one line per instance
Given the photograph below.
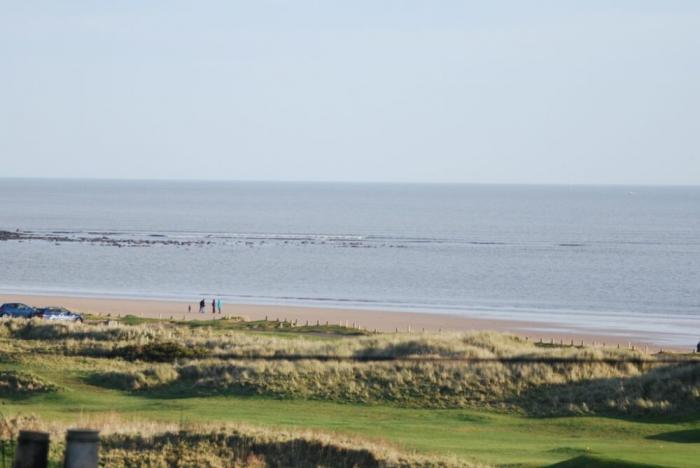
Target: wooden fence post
x=32 y=450
x=82 y=446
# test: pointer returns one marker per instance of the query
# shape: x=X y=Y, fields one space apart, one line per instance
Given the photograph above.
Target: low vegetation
x=14 y=383
x=665 y=390
x=537 y=389
x=254 y=448
x=124 y=444
x=162 y=361
x=204 y=360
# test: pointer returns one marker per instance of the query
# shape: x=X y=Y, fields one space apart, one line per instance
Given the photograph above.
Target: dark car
x=15 y=310
x=59 y=313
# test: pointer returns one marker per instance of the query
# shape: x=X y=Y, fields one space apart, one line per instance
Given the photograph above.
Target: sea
x=595 y=257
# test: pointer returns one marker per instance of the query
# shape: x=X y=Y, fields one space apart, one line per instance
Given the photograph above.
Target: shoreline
x=379 y=320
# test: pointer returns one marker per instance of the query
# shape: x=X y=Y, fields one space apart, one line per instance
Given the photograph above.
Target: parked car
x=59 y=313
x=15 y=310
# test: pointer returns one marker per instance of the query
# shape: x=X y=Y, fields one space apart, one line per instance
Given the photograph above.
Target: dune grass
x=275 y=326
x=70 y=359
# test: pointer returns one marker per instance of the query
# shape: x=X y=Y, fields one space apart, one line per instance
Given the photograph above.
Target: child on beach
x=201 y=306
x=218 y=304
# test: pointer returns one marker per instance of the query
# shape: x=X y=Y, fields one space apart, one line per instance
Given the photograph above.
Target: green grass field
x=486 y=436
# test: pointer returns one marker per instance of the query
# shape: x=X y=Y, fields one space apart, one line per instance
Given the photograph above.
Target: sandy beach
x=379 y=320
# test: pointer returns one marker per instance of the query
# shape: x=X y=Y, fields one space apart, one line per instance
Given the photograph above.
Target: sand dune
x=380 y=320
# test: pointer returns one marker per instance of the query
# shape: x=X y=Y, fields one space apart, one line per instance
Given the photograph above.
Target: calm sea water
x=601 y=256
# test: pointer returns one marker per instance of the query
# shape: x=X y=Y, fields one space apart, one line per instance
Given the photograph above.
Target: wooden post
x=82 y=446
x=32 y=450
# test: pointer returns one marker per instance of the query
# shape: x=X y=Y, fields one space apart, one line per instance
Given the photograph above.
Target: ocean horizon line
x=348 y=182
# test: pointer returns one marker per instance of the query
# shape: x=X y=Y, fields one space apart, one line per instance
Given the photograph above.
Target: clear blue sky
x=437 y=91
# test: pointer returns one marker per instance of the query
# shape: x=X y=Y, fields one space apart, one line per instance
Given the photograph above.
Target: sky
x=535 y=92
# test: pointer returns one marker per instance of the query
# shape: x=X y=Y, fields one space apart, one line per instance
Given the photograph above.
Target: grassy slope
x=483 y=436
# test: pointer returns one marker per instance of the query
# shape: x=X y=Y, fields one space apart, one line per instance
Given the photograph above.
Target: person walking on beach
x=213 y=306
x=201 y=306
x=218 y=304
x=189 y=308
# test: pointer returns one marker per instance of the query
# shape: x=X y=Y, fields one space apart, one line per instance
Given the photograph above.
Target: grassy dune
x=130 y=444
x=491 y=413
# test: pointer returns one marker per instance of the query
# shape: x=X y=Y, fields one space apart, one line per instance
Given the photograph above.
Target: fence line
x=469 y=360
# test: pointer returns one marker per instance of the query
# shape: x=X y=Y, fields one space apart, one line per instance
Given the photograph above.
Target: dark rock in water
x=101 y=239
x=8 y=235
